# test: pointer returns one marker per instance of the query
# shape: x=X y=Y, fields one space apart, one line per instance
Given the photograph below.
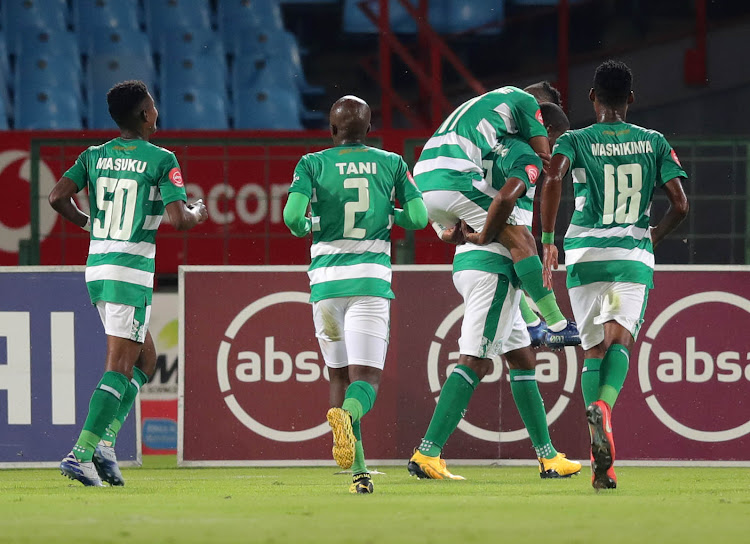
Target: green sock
x=529 y=271
x=359 y=466
x=529 y=315
x=102 y=410
x=612 y=374
x=590 y=380
x=451 y=407
x=360 y=396
x=531 y=407
x=126 y=404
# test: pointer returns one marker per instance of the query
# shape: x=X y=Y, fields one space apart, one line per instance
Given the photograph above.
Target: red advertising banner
x=254 y=388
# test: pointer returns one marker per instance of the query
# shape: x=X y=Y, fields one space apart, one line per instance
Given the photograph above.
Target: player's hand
x=453 y=235
x=546 y=159
x=199 y=209
x=549 y=262
x=471 y=236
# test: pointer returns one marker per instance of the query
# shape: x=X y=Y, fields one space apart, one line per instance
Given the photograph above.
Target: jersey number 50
x=118 y=212
x=627 y=187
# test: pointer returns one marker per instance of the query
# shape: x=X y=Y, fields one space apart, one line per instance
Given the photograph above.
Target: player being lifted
x=351 y=189
x=609 y=244
x=130 y=181
x=451 y=168
x=492 y=323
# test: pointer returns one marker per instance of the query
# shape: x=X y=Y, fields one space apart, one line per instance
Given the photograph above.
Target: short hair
x=613 y=82
x=554 y=117
x=543 y=91
x=123 y=100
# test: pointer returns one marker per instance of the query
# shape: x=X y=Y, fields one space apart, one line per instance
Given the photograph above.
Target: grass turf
x=162 y=503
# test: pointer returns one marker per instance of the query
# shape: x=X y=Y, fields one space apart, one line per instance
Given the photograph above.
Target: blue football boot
x=567 y=337
x=106 y=465
x=537 y=333
x=83 y=472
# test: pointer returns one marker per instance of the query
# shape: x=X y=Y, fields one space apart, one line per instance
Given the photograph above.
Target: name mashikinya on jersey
x=121 y=165
x=624 y=148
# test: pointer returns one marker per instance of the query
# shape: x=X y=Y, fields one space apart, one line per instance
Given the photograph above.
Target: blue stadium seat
x=455 y=16
x=193 y=109
x=356 y=22
x=94 y=14
x=53 y=108
x=103 y=72
x=42 y=71
x=163 y=16
x=236 y=15
x=4 y=64
x=260 y=71
x=198 y=71
x=280 y=49
x=184 y=41
x=267 y=108
x=51 y=44
x=3 y=114
x=21 y=15
x=116 y=41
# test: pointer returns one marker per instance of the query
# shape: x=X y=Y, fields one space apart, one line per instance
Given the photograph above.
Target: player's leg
x=585 y=302
x=528 y=400
x=484 y=295
x=123 y=349
x=105 y=459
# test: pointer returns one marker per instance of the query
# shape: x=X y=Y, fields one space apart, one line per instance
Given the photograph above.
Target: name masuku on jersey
x=121 y=165
x=624 y=148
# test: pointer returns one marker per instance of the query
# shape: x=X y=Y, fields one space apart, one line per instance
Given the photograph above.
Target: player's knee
x=521 y=359
x=481 y=367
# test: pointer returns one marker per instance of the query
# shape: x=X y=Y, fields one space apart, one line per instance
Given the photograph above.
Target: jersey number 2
x=361 y=205
x=622 y=194
x=118 y=212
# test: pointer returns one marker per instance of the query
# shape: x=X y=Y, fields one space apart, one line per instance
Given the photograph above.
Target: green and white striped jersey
x=452 y=159
x=129 y=182
x=615 y=167
x=514 y=158
x=352 y=191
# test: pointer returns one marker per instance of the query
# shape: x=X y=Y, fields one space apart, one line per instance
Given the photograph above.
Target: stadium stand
x=193 y=108
x=60 y=45
x=267 y=108
x=104 y=70
x=89 y=14
x=51 y=108
x=163 y=16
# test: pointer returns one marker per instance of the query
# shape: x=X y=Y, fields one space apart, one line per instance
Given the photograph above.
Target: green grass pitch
x=164 y=504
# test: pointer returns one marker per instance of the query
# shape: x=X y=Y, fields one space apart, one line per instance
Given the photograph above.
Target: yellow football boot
x=431 y=468
x=343 y=437
x=361 y=484
x=558 y=467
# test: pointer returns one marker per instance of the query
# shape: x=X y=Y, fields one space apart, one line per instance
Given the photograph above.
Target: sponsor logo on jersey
x=557 y=370
x=533 y=173
x=539 y=116
x=677 y=371
x=175 y=176
x=675 y=158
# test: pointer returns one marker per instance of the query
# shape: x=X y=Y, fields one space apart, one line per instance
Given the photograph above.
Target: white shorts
x=353 y=330
x=492 y=323
x=596 y=303
x=124 y=321
x=448 y=207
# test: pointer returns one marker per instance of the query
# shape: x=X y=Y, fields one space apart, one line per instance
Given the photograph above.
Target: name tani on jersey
x=121 y=165
x=624 y=148
x=346 y=168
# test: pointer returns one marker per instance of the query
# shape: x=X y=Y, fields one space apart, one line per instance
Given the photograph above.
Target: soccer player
x=351 y=189
x=130 y=182
x=543 y=91
x=609 y=244
x=487 y=279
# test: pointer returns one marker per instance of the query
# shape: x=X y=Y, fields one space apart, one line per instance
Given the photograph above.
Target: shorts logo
x=539 y=116
x=175 y=176
x=675 y=159
x=533 y=173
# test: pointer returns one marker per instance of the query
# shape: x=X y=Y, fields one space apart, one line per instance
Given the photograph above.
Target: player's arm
x=452 y=235
x=551 y=191
x=61 y=200
x=184 y=216
x=676 y=214
x=500 y=209
x=413 y=216
x=540 y=145
x=294 y=214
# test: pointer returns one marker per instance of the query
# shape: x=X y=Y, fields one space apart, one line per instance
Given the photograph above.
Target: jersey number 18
x=625 y=191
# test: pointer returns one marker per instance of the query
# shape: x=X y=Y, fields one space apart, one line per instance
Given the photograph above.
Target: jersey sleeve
x=565 y=146
x=302 y=182
x=528 y=117
x=406 y=188
x=170 y=182
x=78 y=172
x=526 y=168
x=667 y=162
